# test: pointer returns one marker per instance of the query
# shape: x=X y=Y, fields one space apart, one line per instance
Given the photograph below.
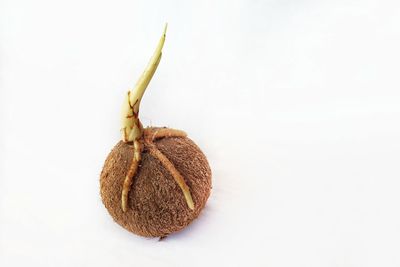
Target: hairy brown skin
x=157 y=206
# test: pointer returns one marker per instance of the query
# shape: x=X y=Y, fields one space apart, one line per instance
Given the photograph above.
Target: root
x=174 y=172
x=151 y=134
x=137 y=156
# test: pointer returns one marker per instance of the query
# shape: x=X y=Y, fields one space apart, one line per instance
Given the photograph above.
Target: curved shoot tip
x=165 y=28
x=148 y=73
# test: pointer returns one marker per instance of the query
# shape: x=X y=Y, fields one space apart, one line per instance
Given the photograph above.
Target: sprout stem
x=131 y=127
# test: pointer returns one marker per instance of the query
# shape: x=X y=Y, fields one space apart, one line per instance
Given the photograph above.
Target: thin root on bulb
x=165 y=132
x=174 y=172
x=137 y=147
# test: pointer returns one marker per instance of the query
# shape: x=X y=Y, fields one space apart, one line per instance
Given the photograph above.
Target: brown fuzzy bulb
x=156 y=180
x=157 y=206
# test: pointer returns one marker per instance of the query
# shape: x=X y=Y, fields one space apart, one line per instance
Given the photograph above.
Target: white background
x=295 y=103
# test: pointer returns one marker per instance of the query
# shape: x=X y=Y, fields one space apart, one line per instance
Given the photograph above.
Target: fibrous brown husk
x=157 y=206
